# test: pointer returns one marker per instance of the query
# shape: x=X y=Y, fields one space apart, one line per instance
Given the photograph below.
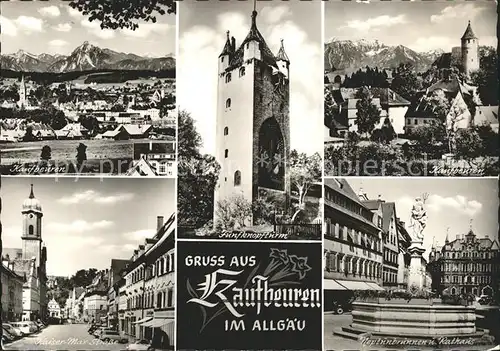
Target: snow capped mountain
x=85 y=57
x=352 y=55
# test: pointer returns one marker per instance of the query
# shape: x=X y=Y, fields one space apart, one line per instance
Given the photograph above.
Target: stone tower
x=32 y=229
x=253 y=123
x=470 y=51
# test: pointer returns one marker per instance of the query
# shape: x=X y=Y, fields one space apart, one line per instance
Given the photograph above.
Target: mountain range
x=351 y=55
x=84 y=58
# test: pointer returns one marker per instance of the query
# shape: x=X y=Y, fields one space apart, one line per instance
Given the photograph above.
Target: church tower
x=32 y=229
x=22 y=93
x=253 y=123
x=470 y=51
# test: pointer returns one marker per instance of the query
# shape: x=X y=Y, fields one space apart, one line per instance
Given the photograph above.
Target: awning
x=331 y=284
x=143 y=320
x=354 y=285
x=157 y=322
x=375 y=286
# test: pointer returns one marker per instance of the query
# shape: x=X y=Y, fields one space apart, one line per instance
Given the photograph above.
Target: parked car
x=112 y=335
x=25 y=327
x=141 y=345
x=98 y=331
x=15 y=331
x=8 y=336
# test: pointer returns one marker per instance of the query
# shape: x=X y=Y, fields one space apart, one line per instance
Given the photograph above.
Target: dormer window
x=242 y=71
x=228 y=77
x=228 y=103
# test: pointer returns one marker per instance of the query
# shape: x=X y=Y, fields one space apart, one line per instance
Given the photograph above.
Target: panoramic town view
x=406 y=249
x=76 y=98
x=422 y=104
x=77 y=274
x=245 y=167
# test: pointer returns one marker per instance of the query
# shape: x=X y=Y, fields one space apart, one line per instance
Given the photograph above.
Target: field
x=64 y=152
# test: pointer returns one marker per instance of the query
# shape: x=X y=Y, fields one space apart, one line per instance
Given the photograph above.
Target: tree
x=486 y=78
x=194 y=208
x=28 y=136
x=330 y=110
x=405 y=81
x=468 y=145
x=489 y=140
x=83 y=277
x=190 y=140
x=367 y=115
x=117 y=14
x=46 y=153
x=90 y=123
x=81 y=155
x=304 y=172
x=387 y=131
x=233 y=212
x=118 y=108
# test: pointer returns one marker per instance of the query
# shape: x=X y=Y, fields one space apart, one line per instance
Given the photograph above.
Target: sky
x=87 y=222
x=55 y=28
x=452 y=203
x=419 y=25
x=201 y=39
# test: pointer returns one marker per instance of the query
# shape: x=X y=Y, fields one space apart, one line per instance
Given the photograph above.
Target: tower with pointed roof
x=32 y=228
x=22 y=93
x=253 y=124
x=470 y=51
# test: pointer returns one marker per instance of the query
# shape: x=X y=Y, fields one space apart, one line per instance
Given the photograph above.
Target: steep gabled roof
x=469 y=34
x=282 y=54
x=228 y=48
x=253 y=35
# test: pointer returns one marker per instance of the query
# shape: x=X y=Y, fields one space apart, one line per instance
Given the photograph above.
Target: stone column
x=416 y=274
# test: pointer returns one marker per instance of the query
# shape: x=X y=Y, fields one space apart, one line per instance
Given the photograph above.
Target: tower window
x=222 y=59
x=228 y=77
x=237 y=178
x=242 y=71
x=228 y=103
x=226 y=153
x=226 y=131
x=30 y=230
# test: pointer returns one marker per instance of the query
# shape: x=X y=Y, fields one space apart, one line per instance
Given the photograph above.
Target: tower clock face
x=31 y=215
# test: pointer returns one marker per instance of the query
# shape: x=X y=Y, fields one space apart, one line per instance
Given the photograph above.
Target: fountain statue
x=418 y=219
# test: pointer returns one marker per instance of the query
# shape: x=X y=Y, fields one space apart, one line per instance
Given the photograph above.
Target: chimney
x=159 y=223
x=458 y=236
x=141 y=250
x=379 y=197
x=486 y=237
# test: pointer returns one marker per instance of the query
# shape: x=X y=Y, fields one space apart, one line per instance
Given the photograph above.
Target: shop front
x=160 y=329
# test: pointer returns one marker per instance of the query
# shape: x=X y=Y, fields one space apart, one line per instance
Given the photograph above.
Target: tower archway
x=271 y=157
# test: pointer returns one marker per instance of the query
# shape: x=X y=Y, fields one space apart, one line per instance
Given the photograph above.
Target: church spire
x=446 y=241
x=32 y=195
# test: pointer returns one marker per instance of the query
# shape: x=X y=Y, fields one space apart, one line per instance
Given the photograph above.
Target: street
x=63 y=337
x=338 y=343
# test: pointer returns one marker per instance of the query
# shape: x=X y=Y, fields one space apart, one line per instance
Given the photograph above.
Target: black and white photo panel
x=81 y=84
x=411 y=264
x=250 y=89
x=411 y=88
x=89 y=264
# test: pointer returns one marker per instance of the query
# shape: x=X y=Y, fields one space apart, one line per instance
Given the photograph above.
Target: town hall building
x=30 y=261
x=253 y=122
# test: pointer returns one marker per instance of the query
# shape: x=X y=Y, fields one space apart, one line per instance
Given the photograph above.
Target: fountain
x=423 y=319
